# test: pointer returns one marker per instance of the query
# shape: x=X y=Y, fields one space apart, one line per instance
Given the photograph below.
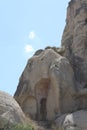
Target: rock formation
x=40 y=92
x=75 y=39
x=53 y=85
x=10 y=110
x=72 y=121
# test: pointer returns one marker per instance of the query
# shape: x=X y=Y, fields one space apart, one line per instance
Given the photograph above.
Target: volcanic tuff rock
x=40 y=92
x=10 y=110
x=54 y=82
x=75 y=39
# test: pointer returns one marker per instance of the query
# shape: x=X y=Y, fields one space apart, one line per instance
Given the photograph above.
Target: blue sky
x=26 y=26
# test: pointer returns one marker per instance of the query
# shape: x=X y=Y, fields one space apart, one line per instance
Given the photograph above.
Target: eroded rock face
x=45 y=86
x=54 y=82
x=10 y=110
x=75 y=39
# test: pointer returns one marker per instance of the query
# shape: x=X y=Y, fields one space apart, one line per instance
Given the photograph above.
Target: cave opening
x=86 y=20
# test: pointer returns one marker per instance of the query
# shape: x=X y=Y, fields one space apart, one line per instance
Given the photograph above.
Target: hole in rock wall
x=86 y=20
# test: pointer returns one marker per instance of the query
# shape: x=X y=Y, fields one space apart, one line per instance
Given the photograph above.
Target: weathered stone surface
x=75 y=39
x=46 y=87
x=73 y=121
x=10 y=110
x=54 y=82
x=75 y=42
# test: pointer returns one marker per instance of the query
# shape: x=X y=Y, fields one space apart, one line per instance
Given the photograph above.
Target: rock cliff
x=53 y=84
x=75 y=39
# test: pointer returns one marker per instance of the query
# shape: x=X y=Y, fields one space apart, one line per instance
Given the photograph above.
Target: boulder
x=72 y=121
x=10 y=111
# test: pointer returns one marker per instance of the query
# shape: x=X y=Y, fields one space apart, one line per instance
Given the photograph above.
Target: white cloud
x=28 y=48
x=32 y=35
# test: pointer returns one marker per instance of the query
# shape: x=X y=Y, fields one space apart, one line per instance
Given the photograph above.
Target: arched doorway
x=43 y=111
x=41 y=91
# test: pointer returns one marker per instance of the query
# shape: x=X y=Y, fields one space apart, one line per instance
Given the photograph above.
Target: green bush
x=9 y=126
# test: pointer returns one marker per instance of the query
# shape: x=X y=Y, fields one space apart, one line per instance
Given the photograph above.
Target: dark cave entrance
x=86 y=20
x=43 y=111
